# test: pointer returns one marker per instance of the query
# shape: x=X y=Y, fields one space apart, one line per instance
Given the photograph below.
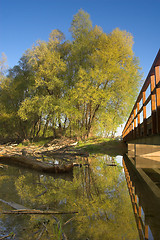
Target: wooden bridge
x=142 y=162
x=143 y=124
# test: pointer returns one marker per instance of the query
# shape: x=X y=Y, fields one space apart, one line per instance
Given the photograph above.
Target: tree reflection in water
x=98 y=193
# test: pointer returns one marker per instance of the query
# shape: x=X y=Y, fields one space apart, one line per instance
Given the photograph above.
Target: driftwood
x=36 y=165
x=33 y=211
x=14 y=205
x=24 y=210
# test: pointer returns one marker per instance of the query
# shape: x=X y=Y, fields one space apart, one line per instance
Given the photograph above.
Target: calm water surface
x=98 y=193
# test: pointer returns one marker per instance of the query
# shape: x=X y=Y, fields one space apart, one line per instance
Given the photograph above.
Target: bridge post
x=132 y=125
x=144 y=114
x=138 y=116
x=157 y=75
x=134 y=112
x=153 y=104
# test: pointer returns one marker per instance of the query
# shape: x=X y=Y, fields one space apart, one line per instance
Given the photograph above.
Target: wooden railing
x=144 y=119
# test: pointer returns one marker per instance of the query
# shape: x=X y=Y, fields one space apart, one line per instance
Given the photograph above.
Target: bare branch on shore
x=33 y=211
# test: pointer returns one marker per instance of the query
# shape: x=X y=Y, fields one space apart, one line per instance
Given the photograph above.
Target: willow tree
x=103 y=72
x=48 y=66
x=80 y=83
x=14 y=88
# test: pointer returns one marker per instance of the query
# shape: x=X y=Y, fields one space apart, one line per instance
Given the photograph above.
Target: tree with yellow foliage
x=72 y=86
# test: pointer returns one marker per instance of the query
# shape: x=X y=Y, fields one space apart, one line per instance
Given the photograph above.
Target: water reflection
x=98 y=193
x=143 y=179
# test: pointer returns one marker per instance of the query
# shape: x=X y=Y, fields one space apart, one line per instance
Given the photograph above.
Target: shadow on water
x=143 y=180
x=98 y=193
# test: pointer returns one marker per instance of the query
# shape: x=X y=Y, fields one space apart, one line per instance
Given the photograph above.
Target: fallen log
x=19 y=209
x=45 y=167
x=33 y=211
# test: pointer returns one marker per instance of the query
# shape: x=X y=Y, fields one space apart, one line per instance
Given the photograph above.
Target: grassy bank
x=111 y=147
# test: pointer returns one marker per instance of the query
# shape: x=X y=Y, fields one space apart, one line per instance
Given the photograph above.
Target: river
x=93 y=200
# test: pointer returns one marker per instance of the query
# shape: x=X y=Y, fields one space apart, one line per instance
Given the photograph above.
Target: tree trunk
x=33 y=130
x=46 y=126
x=53 y=128
x=39 y=126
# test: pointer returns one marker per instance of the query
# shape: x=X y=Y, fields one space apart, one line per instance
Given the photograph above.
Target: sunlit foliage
x=70 y=87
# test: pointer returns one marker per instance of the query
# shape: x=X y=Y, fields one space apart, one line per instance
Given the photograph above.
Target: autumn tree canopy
x=70 y=88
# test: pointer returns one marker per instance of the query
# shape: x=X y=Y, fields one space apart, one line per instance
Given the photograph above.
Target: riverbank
x=111 y=147
x=65 y=147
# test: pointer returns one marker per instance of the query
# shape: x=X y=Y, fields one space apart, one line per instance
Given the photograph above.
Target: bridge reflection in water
x=143 y=180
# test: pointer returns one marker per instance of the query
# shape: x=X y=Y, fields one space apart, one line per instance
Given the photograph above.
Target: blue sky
x=22 y=22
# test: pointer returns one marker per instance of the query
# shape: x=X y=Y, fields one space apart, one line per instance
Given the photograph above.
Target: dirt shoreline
x=55 y=149
x=64 y=149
